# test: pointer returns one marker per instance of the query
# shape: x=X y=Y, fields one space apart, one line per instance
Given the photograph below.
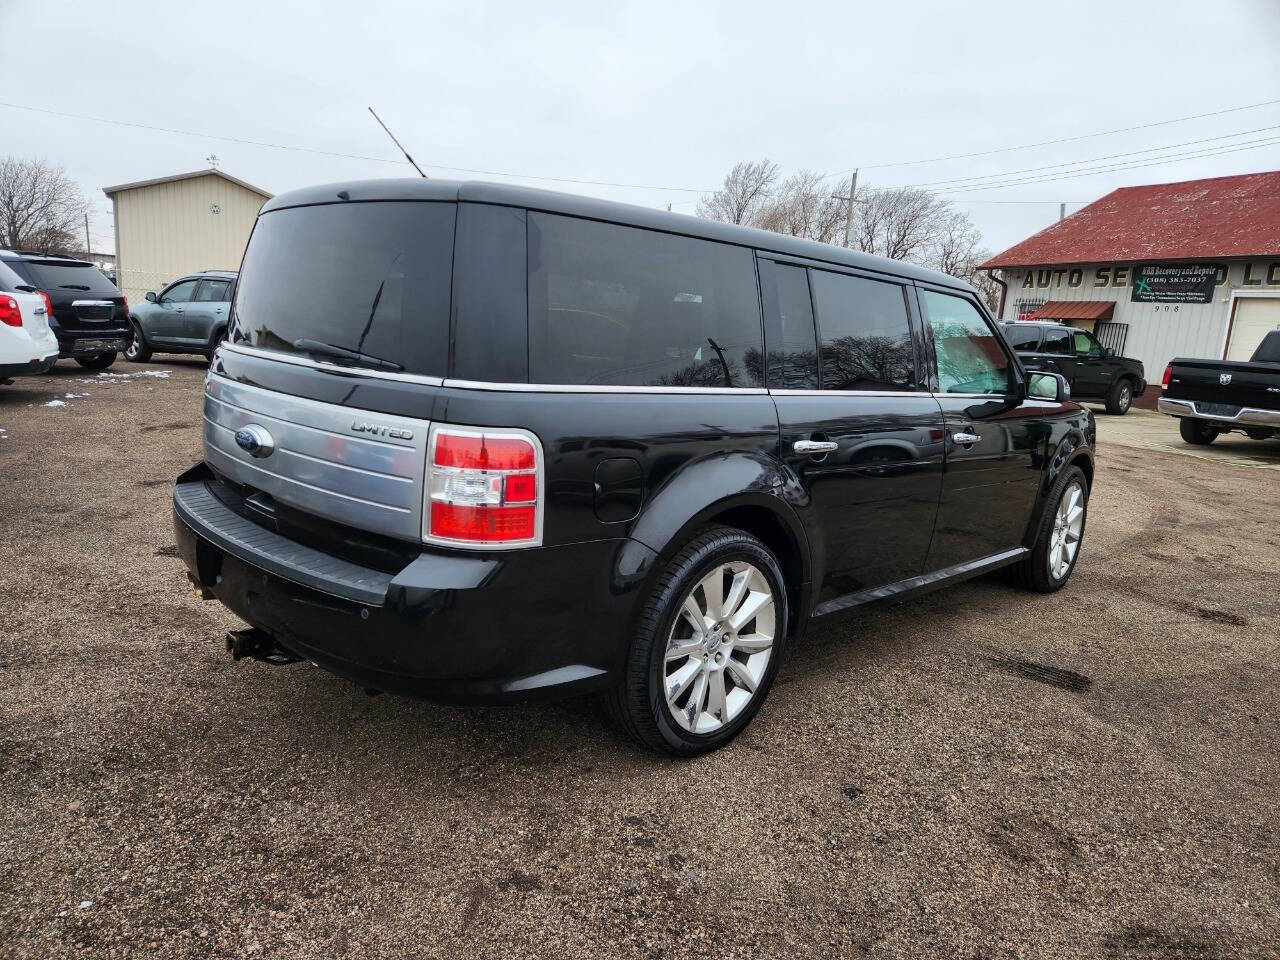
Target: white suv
x=27 y=345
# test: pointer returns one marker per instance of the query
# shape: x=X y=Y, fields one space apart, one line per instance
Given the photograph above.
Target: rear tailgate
x=1226 y=382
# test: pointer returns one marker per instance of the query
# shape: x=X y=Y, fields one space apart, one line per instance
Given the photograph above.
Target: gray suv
x=188 y=316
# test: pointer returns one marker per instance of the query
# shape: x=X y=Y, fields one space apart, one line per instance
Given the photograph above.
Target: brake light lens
x=10 y=315
x=484 y=488
x=1168 y=375
x=48 y=304
x=126 y=306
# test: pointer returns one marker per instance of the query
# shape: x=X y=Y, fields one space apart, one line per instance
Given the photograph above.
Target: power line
x=1074 y=163
x=1046 y=143
x=1113 y=168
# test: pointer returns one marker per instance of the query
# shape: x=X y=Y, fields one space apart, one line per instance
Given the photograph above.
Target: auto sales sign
x=1174 y=283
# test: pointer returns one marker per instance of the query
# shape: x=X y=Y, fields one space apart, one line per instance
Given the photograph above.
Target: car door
x=167 y=322
x=1095 y=371
x=995 y=442
x=857 y=426
x=206 y=311
x=1056 y=354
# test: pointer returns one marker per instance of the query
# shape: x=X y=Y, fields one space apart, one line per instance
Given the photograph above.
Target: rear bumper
x=91 y=346
x=531 y=624
x=40 y=364
x=1244 y=416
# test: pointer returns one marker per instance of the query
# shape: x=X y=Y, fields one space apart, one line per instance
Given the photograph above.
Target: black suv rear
x=475 y=442
x=90 y=314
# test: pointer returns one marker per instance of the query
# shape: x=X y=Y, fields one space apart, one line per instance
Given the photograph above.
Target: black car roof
x=51 y=257
x=551 y=201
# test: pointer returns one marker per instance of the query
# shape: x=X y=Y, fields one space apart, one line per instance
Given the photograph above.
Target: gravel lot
x=978 y=773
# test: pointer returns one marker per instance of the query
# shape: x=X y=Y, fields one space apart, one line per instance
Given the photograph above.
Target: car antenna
x=398 y=144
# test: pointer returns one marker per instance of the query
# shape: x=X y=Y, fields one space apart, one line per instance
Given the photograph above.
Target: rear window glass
x=1268 y=350
x=372 y=278
x=1021 y=336
x=619 y=305
x=866 y=335
x=10 y=281
x=71 y=278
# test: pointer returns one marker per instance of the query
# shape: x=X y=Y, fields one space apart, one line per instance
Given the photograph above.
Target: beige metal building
x=1188 y=269
x=180 y=224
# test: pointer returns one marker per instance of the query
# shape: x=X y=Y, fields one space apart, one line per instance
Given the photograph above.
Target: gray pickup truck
x=1212 y=397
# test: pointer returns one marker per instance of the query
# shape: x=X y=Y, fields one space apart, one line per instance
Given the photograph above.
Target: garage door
x=1255 y=317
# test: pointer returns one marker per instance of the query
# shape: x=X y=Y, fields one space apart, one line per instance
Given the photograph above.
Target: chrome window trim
x=338 y=368
x=850 y=393
x=596 y=388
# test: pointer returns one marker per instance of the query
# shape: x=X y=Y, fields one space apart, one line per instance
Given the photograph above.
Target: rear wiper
x=74 y=286
x=322 y=349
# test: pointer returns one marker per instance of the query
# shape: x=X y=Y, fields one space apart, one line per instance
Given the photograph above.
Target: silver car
x=188 y=316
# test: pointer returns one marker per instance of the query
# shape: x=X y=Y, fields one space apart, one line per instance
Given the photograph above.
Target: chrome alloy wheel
x=719 y=646
x=1125 y=398
x=1068 y=527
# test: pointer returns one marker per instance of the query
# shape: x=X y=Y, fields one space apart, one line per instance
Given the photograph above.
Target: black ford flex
x=480 y=443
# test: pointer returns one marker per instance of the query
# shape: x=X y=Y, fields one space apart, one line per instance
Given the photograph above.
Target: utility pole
x=88 y=244
x=1062 y=211
x=848 y=213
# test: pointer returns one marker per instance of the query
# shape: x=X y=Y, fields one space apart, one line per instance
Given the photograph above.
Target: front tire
x=1060 y=537
x=706 y=647
x=137 y=351
x=1120 y=399
x=99 y=361
x=1197 y=432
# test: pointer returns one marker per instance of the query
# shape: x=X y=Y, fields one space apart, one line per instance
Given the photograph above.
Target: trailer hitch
x=258 y=645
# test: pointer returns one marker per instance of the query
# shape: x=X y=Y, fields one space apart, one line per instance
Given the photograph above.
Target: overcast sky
x=657 y=95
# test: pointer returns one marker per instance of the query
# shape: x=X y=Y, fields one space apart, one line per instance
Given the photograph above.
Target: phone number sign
x=1177 y=283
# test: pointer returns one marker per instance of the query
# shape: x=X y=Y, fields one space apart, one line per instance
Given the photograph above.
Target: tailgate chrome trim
x=1188 y=408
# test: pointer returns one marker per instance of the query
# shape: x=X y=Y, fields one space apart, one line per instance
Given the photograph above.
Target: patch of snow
x=56 y=403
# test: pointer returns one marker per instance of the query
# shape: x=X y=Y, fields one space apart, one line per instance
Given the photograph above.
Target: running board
x=923 y=583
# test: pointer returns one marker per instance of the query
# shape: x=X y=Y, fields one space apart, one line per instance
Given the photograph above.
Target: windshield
x=369 y=278
x=82 y=278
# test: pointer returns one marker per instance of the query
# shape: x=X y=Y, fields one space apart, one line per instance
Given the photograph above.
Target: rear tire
x=137 y=351
x=1044 y=571
x=97 y=362
x=1197 y=432
x=718 y=661
x=1120 y=399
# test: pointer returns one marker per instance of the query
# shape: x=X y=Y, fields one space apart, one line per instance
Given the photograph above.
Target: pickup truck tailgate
x=1225 y=382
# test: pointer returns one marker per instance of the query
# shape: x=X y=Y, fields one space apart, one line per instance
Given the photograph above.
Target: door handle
x=964 y=436
x=815 y=447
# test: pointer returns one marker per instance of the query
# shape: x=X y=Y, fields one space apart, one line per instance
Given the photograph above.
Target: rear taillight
x=484 y=488
x=126 y=307
x=48 y=304
x=10 y=315
x=1168 y=375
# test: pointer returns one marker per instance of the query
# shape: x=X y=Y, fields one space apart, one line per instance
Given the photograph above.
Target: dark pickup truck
x=1212 y=397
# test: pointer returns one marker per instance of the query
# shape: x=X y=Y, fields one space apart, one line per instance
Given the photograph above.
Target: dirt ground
x=978 y=773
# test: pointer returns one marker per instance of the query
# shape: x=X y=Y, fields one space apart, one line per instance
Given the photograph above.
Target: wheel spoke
x=751 y=607
x=697 y=619
x=716 y=703
x=741 y=675
x=1073 y=536
x=679 y=681
x=737 y=591
x=683 y=648
x=696 y=700
x=1075 y=514
x=753 y=643
x=713 y=589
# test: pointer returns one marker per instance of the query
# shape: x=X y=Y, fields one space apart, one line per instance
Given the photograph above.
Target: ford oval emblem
x=255 y=440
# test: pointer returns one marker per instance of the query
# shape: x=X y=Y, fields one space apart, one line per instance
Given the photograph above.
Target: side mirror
x=151 y=297
x=1048 y=386
x=1107 y=353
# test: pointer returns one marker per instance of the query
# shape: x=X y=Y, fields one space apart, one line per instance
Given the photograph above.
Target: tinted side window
x=1086 y=346
x=1057 y=341
x=212 y=291
x=619 y=305
x=970 y=358
x=790 y=338
x=179 y=292
x=865 y=334
x=1022 y=336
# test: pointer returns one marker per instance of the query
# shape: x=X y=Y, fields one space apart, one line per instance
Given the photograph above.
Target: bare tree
x=803 y=207
x=746 y=190
x=900 y=224
x=41 y=208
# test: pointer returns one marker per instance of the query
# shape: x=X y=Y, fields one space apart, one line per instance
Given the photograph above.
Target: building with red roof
x=1158 y=271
